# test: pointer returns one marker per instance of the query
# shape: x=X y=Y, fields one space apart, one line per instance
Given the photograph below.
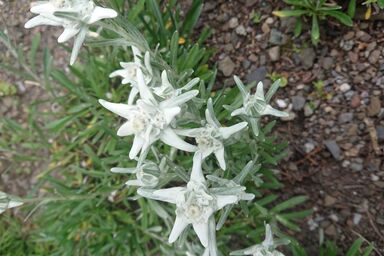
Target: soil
x=335 y=156
x=335 y=132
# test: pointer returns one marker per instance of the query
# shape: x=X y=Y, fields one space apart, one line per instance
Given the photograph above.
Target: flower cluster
x=74 y=16
x=153 y=112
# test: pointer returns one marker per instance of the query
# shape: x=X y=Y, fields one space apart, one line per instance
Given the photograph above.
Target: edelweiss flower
x=79 y=14
x=255 y=106
x=7 y=202
x=166 y=90
x=195 y=203
x=266 y=248
x=211 y=137
x=150 y=120
x=129 y=71
x=146 y=174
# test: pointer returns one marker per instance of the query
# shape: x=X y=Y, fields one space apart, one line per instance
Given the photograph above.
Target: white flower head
x=211 y=137
x=266 y=248
x=79 y=14
x=129 y=72
x=195 y=203
x=147 y=174
x=257 y=105
x=149 y=120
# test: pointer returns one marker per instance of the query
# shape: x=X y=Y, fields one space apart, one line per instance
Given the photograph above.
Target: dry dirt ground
x=336 y=132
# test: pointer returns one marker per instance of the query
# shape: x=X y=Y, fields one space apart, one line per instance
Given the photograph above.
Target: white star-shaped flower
x=257 y=105
x=129 y=71
x=266 y=248
x=147 y=174
x=195 y=203
x=149 y=120
x=79 y=14
x=8 y=202
x=211 y=137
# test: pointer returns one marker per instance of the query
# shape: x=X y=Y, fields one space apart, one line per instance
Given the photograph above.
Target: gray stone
x=356 y=167
x=274 y=53
x=240 y=30
x=380 y=133
x=327 y=62
x=374 y=56
x=345 y=87
x=233 y=22
x=308 y=110
x=307 y=57
x=277 y=38
x=227 y=66
x=308 y=147
x=345 y=118
x=298 y=102
x=333 y=148
x=246 y=64
x=374 y=107
x=256 y=75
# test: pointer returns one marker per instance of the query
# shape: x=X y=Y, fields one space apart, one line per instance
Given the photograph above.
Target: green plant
x=316 y=11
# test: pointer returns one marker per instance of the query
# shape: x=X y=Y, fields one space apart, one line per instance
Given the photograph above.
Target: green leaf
x=355 y=247
x=342 y=17
x=380 y=3
x=298 y=27
x=32 y=53
x=352 y=8
x=192 y=17
x=315 y=31
x=174 y=46
x=289 y=13
x=289 y=203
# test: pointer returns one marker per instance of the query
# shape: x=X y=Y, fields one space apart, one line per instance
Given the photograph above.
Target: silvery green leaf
x=272 y=90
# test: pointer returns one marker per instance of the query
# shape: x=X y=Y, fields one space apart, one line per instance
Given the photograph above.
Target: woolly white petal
x=125 y=129
x=101 y=13
x=260 y=91
x=43 y=7
x=197 y=173
x=67 y=34
x=119 y=72
x=268 y=241
x=79 y=39
x=220 y=157
x=239 y=111
x=201 y=230
x=145 y=92
x=226 y=132
x=168 y=136
x=136 y=147
x=225 y=200
x=136 y=183
x=123 y=170
x=179 y=100
x=190 y=132
x=274 y=112
x=170 y=113
x=170 y=195
x=117 y=108
x=40 y=20
x=180 y=224
x=132 y=95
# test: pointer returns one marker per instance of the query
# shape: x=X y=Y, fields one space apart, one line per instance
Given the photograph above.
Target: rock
x=240 y=30
x=379 y=184
x=307 y=57
x=227 y=66
x=308 y=110
x=277 y=38
x=374 y=56
x=246 y=64
x=265 y=28
x=233 y=22
x=308 y=147
x=298 y=102
x=329 y=200
x=274 y=53
x=327 y=62
x=345 y=87
x=353 y=57
x=374 y=107
x=281 y=103
x=380 y=133
x=256 y=75
x=349 y=35
x=331 y=230
x=345 y=118
x=253 y=57
x=356 y=167
x=356 y=218
x=355 y=101
x=334 y=148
